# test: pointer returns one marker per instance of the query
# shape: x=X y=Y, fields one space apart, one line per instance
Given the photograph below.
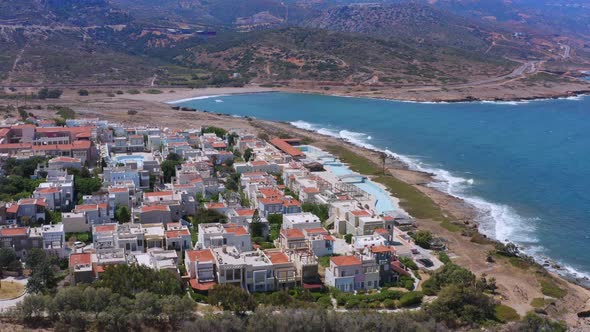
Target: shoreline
x=523 y=100
x=518 y=286
x=430 y=180
x=221 y=92
x=578 y=294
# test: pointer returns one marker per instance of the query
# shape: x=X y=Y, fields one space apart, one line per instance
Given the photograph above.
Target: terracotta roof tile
x=345 y=260
x=14 y=231
x=204 y=255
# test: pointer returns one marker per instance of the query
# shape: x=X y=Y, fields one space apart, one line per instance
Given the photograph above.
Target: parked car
x=426 y=262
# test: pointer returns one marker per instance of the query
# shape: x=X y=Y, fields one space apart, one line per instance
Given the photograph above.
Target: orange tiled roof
x=311 y=190
x=177 y=233
x=292 y=233
x=150 y=208
x=318 y=230
x=277 y=257
x=86 y=207
x=50 y=190
x=237 y=230
x=245 y=212
x=158 y=193
x=14 y=231
x=105 y=228
x=267 y=201
x=282 y=145
x=215 y=205
x=82 y=259
x=381 y=248
x=291 y=202
x=13 y=208
x=202 y=286
x=204 y=255
x=360 y=213
x=345 y=260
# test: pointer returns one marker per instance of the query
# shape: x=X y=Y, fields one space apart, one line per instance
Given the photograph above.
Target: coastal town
x=206 y=214
x=211 y=206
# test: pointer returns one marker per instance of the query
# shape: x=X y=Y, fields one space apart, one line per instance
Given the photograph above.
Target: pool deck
x=380 y=198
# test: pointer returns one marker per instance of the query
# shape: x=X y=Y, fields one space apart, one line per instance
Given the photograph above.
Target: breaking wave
x=498 y=221
x=194 y=98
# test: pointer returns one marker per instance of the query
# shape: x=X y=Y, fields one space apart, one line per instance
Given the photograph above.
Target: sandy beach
x=517 y=286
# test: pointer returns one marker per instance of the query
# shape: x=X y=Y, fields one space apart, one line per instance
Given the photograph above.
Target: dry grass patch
x=11 y=289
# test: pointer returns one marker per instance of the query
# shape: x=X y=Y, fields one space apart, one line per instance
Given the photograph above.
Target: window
x=370 y=283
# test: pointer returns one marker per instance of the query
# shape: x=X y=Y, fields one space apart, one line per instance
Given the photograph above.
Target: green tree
x=458 y=306
x=231 y=298
x=43 y=279
x=168 y=166
x=87 y=185
x=129 y=280
x=205 y=216
x=31 y=308
x=8 y=260
x=535 y=323
x=35 y=258
x=411 y=299
x=248 y=154
x=450 y=274
x=177 y=310
x=348 y=238
x=256 y=228
x=122 y=214
x=219 y=132
x=320 y=210
x=423 y=239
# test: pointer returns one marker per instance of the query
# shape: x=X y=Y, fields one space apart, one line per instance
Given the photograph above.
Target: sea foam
x=194 y=98
x=500 y=222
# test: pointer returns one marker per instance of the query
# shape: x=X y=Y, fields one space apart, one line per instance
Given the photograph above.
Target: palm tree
x=383 y=157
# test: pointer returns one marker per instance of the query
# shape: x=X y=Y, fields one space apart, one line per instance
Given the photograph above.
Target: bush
x=49 y=94
x=409 y=263
x=460 y=306
x=534 y=323
x=411 y=299
x=83 y=92
x=444 y=258
x=231 y=298
x=506 y=314
x=348 y=238
x=389 y=304
x=423 y=239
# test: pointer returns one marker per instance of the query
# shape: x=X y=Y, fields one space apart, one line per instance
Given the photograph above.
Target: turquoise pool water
x=382 y=197
x=127 y=159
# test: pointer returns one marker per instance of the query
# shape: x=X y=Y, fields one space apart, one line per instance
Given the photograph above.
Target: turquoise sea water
x=525 y=166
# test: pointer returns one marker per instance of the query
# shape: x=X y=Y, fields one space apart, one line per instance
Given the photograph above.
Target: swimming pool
x=130 y=159
x=382 y=197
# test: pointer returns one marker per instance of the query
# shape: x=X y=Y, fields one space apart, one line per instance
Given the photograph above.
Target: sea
x=524 y=165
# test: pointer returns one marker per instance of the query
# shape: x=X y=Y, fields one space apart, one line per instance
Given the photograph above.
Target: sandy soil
x=517 y=287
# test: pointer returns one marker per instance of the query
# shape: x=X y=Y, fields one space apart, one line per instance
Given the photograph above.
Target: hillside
x=320 y=55
x=61 y=12
x=139 y=42
x=408 y=21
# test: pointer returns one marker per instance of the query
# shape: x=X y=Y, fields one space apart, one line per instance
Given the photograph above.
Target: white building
x=301 y=220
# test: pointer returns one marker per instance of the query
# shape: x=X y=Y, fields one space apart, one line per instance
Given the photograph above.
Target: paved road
x=7 y=304
x=566 y=51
